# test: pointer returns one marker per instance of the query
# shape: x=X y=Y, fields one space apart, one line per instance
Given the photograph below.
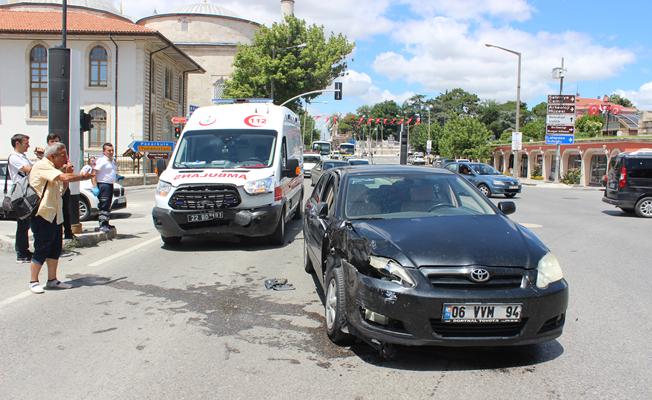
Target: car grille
x=449 y=329
x=118 y=191
x=460 y=278
x=205 y=197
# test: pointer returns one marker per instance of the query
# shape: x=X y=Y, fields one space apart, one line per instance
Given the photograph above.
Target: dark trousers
x=105 y=200
x=22 y=238
x=47 y=240
x=67 y=229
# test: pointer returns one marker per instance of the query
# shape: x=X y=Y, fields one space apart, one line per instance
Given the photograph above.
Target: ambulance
x=236 y=170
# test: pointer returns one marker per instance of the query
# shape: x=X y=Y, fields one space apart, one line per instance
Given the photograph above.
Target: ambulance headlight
x=163 y=188
x=260 y=186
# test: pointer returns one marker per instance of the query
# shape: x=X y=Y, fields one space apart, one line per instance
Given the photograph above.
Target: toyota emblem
x=480 y=275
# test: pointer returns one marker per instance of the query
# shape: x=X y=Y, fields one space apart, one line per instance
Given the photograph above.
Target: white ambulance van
x=236 y=170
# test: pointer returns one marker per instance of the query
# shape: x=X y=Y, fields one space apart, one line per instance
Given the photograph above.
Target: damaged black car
x=417 y=256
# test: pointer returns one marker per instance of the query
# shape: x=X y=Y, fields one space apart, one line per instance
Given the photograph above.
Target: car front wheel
x=485 y=189
x=84 y=209
x=335 y=308
x=644 y=207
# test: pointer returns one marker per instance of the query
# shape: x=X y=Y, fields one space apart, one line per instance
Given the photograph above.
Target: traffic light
x=84 y=121
x=177 y=132
x=338 y=90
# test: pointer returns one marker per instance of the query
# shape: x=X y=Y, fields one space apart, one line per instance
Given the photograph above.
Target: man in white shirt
x=19 y=167
x=105 y=176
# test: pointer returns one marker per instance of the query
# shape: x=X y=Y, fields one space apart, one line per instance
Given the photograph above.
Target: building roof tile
x=79 y=21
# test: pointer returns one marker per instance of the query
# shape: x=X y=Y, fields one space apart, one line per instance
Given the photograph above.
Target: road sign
x=560 y=129
x=158 y=156
x=561 y=109
x=560 y=119
x=517 y=141
x=560 y=139
x=178 y=120
x=561 y=99
x=428 y=146
x=191 y=109
x=146 y=147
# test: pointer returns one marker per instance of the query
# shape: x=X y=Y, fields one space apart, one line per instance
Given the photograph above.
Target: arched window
x=98 y=62
x=98 y=131
x=218 y=88
x=38 y=65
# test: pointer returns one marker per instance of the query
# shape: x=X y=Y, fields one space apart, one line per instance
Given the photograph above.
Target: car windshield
x=334 y=164
x=3 y=170
x=311 y=159
x=397 y=196
x=485 y=169
x=226 y=148
x=358 y=162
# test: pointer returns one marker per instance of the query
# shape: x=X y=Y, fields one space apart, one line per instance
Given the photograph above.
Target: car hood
x=236 y=177
x=501 y=178
x=488 y=240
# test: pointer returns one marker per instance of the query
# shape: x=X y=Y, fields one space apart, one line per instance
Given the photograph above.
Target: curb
x=90 y=239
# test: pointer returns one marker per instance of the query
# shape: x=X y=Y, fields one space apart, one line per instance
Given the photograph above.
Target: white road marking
x=15 y=298
x=531 y=226
x=123 y=252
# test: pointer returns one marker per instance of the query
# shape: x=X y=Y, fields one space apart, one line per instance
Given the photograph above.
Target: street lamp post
x=271 y=84
x=518 y=96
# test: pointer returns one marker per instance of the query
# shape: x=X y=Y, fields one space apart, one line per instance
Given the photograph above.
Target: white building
x=134 y=78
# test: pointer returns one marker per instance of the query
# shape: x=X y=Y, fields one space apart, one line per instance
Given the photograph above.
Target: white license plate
x=122 y=200
x=513 y=187
x=205 y=216
x=481 y=313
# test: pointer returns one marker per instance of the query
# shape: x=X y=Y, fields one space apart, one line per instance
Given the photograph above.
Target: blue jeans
x=22 y=238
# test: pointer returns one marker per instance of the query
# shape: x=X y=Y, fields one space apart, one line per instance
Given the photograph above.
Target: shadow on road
x=619 y=213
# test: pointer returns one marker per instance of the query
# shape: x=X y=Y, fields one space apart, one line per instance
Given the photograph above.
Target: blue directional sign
x=147 y=146
x=560 y=139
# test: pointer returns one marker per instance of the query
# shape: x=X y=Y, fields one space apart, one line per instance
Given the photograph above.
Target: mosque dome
x=206 y=8
x=104 y=5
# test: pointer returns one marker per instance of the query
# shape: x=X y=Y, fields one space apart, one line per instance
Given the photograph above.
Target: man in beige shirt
x=47 y=178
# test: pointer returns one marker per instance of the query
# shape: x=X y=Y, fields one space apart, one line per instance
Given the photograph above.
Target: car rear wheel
x=335 y=306
x=278 y=237
x=644 y=207
x=510 y=195
x=84 y=209
x=485 y=189
x=171 y=240
x=298 y=212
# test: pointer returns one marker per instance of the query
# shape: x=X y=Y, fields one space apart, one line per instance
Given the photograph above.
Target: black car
x=323 y=166
x=629 y=183
x=418 y=256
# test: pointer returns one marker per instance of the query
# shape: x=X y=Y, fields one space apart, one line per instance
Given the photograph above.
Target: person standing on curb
x=19 y=167
x=47 y=179
x=68 y=168
x=105 y=176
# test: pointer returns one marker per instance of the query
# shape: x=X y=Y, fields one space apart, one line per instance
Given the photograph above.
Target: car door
x=329 y=195
x=311 y=221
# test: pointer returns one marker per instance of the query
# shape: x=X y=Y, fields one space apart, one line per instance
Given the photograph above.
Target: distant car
x=629 y=183
x=442 y=162
x=322 y=166
x=418 y=160
x=309 y=162
x=88 y=202
x=416 y=256
x=487 y=178
x=335 y=155
x=358 y=161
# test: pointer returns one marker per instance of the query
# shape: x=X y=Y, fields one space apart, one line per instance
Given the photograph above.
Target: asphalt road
x=149 y=322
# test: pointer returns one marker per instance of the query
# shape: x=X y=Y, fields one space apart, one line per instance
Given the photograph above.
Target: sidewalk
x=553 y=185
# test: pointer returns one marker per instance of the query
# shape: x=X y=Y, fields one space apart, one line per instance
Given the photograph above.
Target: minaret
x=287 y=8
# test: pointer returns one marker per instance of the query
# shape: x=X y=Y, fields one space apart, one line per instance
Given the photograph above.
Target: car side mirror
x=322 y=210
x=507 y=207
x=292 y=168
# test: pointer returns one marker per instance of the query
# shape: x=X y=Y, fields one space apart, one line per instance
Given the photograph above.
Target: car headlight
x=499 y=183
x=548 y=271
x=163 y=188
x=392 y=269
x=260 y=186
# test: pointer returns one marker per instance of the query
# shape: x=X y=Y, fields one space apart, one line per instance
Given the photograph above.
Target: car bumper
x=415 y=315
x=120 y=202
x=619 y=202
x=245 y=222
x=505 y=189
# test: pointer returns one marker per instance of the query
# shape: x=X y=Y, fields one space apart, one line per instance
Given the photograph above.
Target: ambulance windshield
x=226 y=148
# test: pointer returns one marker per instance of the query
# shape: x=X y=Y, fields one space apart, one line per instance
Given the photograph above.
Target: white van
x=236 y=170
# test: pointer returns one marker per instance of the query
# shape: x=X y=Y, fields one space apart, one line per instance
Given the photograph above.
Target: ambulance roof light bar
x=240 y=101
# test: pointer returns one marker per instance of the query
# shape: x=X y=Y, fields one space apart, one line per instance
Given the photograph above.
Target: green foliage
x=572 y=177
x=465 y=137
x=535 y=130
x=540 y=110
x=419 y=137
x=536 y=173
x=293 y=70
x=620 y=100
x=588 y=126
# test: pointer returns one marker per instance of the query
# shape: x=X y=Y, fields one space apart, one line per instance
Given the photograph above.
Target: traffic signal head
x=338 y=90
x=177 y=132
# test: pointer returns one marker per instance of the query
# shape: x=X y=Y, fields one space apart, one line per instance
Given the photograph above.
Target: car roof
x=391 y=169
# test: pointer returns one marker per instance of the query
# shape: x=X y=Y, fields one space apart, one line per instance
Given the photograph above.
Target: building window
x=218 y=88
x=98 y=65
x=169 y=83
x=98 y=131
x=38 y=64
x=184 y=24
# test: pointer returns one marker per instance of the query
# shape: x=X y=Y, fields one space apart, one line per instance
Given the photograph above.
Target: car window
x=329 y=193
x=316 y=194
x=484 y=169
x=311 y=159
x=639 y=168
x=3 y=170
x=411 y=196
x=452 y=167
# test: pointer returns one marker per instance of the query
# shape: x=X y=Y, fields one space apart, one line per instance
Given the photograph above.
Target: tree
x=466 y=137
x=535 y=130
x=276 y=55
x=540 y=110
x=419 y=137
x=588 y=126
x=620 y=100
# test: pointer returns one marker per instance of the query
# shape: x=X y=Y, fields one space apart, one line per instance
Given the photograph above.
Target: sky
x=407 y=47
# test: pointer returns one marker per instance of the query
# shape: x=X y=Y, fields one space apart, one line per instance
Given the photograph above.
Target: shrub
x=572 y=177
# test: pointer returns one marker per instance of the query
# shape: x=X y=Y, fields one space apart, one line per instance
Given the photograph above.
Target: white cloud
x=642 y=98
x=513 y=10
x=441 y=53
x=359 y=84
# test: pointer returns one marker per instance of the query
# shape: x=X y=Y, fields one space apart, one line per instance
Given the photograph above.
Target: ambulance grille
x=204 y=197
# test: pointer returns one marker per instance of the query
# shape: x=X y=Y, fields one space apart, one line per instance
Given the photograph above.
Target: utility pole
x=558 y=151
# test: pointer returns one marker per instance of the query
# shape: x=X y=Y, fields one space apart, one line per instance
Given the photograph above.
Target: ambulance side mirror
x=292 y=168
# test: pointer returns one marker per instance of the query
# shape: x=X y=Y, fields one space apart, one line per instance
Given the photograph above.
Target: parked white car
x=309 y=161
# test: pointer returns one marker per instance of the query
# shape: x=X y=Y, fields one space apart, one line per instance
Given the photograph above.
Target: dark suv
x=629 y=183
